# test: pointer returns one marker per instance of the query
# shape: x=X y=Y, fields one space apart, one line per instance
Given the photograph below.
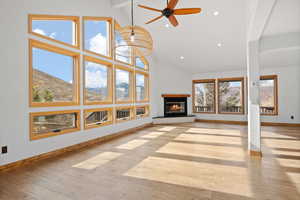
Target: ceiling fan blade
x=187 y=11
x=172 y=4
x=173 y=20
x=157 y=18
x=148 y=8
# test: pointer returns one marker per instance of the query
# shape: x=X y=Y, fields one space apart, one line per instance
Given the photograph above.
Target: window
x=141 y=87
x=53 y=75
x=61 y=29
x=123 y=86
x=94 y=118
x=268 y=95
x=141 y=62
x=231 y=96
x=97 y=81
x=204 y=98
x=141 y=111
x=124 y=114
x=119 y=52
x=97 y=35
x=45 y=124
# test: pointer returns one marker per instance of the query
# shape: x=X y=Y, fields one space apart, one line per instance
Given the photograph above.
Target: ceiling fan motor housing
x=167 y=12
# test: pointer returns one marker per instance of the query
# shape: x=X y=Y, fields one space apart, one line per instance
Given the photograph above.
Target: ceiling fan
x=170 y=11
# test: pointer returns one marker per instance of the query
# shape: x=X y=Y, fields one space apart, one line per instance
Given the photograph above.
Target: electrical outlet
x=292 y=117
x=4 y=149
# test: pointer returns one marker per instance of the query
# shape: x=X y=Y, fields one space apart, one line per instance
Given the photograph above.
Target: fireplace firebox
x=175 y=106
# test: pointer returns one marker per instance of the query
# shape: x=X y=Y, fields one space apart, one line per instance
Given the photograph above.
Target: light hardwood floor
x=180 y=162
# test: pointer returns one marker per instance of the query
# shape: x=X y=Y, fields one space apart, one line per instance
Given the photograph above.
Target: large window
x=204 y=96
x=94 y=118
x=53 y=75
x=123 y=49
x=268 y=95
x=141 y=87
x=231 y=96
x=97 y=35
x=125 y=113
x=45 y=124
x=142 y=111
x=140 y=61
x=123 y=84
x=97 y=81
x=61 y=29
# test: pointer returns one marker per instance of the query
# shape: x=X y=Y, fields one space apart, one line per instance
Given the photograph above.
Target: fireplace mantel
x=175 y=95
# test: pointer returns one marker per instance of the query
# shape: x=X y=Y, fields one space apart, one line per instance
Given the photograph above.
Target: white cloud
x=95 y=76
x=98 y=44
x=39 y=31
x=122 y=76
x=53 y=35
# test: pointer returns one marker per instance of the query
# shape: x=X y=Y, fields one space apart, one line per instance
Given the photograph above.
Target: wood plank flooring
x=191 y=161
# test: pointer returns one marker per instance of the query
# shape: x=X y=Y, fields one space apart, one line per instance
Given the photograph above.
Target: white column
x=253 y=98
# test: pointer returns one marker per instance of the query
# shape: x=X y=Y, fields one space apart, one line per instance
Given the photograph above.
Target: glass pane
x=96 y=118
x=140 y=87
x=62 y=30
x=204 y=97
x=96 y=82
x=140 y=111
x=122 y=85
x=123 y=114
x=52 y=76
x=230 y=99
x=139 y=62
x=267 y=96
x=124 y=50
x=96 y=36
x=53 y=123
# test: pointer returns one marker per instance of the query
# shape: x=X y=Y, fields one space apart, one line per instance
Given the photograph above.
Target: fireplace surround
x=175 y=105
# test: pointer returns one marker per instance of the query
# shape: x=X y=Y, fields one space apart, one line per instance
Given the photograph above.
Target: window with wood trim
x=119 y=53
x=269 y=95
x=231 y=96
x=98 y=35
x=53 y=75
x=142 y=111
x=46 y=124
x=204 y=96
x=140 y=61
x=123 y=84
x=123 y=114
x=94 y=118
x=61 y=29
x=141 y=87
x=97 y=81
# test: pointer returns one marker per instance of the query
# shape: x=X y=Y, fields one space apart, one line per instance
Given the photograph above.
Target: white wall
x=14 y=118
x=288 y=94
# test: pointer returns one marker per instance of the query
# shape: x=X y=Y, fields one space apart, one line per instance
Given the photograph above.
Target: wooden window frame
x=76 y=75
x=143 y=59
x=110 y=43
x=75 y=19
x=109 y=122
x=215 y=96
x=131 y=84
x=109 y=82
x=275 y=78
x=147 y=111
x=132 y=113
x=50 y=134
x=242 y=80
x=147 y=82
x=117 y=27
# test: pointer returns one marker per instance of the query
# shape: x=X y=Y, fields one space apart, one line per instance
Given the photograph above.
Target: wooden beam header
x=175 y=95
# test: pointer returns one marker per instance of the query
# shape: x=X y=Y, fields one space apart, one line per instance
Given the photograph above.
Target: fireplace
x=175 y=105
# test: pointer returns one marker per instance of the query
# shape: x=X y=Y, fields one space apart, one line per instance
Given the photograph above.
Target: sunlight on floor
x=194 y=174
x=132 y=144
x=271 y=135
x=98 y=160
x=153 y=134
x=167 y=128
x=232 y=132
x=209 y=139
x=204 y=151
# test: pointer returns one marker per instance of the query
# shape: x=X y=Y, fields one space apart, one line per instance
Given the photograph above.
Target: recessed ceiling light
x=219 y=44
x=181 y=57
x=167 y=25
x=216 y=13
